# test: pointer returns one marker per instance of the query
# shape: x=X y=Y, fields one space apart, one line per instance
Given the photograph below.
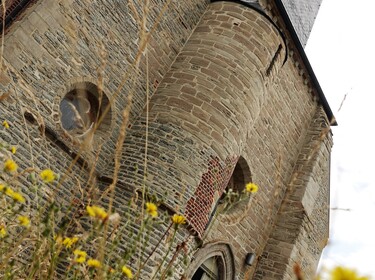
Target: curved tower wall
x=225 y=93
x=204 y=109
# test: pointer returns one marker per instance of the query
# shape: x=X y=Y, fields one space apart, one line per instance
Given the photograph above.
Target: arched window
x=240 y=177
x=210 y=269
x=234 y=204
x=212 y=262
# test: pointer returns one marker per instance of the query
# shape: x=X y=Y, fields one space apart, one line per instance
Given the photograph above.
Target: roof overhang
x=315 y=83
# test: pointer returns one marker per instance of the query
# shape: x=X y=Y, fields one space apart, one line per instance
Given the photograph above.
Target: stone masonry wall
x=219 y=91
x=204 y=107
x=271 y=145
x=301 y=228
x=59 y=43
x=271 y=152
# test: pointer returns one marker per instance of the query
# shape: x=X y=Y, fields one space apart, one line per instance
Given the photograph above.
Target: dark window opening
x=240 y=177
x=210 y=269
x=237 y=181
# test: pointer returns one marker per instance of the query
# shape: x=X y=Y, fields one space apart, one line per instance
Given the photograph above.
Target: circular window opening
x=83 y=107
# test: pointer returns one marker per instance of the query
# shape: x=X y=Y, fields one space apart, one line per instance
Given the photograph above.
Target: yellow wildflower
x=9 y=191
x=47 y=175
x=58 y=239
x=10 y=166
x=94 y=263
x=152 y=209
x=178 y=219
x=342 y=273
x=13 y=149
x=75 y=239
x=111 y=270
x=96 y=212
x=24 y=221
x=3 y=231
x=80 y=256
x=5 y=124
x=18 y=197
x=90 y=211
x=251 y=188
x=69 y=242
x=128 y=273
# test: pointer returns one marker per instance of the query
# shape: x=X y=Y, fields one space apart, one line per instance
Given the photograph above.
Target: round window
x=82 y=107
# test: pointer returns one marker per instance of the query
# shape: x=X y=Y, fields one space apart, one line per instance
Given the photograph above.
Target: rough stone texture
x=206 y=104
x=218 y=91
x=57 y=44
x=301 y=228
x=302 y=14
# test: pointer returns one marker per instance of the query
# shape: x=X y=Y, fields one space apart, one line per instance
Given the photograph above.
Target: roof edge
x=306 y=62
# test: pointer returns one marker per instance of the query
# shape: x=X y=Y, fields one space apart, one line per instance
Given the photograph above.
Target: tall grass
x=46 y=239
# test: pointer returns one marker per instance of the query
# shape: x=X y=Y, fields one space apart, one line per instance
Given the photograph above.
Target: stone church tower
x=232 y=99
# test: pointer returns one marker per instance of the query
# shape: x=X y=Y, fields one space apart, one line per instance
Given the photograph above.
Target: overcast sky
x=341 y=51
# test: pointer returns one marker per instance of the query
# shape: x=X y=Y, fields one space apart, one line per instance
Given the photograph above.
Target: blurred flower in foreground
x=5 y=124
x=3 y=231
x=251 y=188
x=69 y=242
x=342 y=273
x=18 y=197
x=80 y=256
x=47 y=175
x=94 y=263
x=96 y=212
x=178 y=219
x=128 y=273
x=10 y=166
x=152 y=209
x=24 y=221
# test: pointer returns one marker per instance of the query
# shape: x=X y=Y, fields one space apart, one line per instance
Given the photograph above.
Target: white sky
x=341 y=51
